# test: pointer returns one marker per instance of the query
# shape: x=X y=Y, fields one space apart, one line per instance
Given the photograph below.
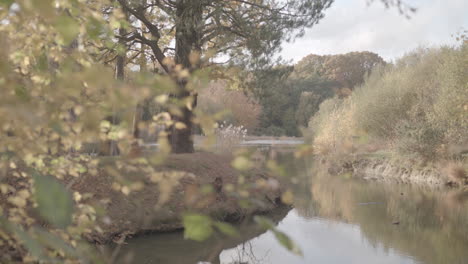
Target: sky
x=353 y=25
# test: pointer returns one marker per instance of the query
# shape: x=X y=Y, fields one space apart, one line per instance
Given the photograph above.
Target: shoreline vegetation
x=386 y=169
x=407 y=122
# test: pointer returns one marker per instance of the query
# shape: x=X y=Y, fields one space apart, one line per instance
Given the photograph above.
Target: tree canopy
x=346 y=70
x=237 y=29
x=186 y=35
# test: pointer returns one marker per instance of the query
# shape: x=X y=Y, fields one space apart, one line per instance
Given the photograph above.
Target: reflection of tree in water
x=430 y=225
x=246 y=255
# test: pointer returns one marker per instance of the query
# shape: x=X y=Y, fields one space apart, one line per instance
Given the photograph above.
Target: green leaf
x=287 y=242
x=42 y=62
x=55 y=242
x=55 y=203
x=197 y=227
x=264 y=222
x=226 y=228
x=68 y=28
x=36 y=240
x=31 y=244
x=282 y=238
x=22 y=93
x=94 y=28
x=6 y=3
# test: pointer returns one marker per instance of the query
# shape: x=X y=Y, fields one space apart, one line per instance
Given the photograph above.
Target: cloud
x=352 y=25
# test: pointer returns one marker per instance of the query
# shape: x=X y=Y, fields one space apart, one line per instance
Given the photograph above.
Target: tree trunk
x=188 y=38
x=139 y=108
x=137 y=116
x=110 y=147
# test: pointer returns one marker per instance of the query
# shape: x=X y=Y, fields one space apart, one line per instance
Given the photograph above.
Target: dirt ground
x=208 y=185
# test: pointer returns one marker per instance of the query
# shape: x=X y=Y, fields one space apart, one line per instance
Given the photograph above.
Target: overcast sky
x=352 y=25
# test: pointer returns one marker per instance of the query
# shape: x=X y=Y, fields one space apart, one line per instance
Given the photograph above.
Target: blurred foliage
x=62 y=69
x=59 y=94
x=54 y=202
x=200 y=227
x=282 y=237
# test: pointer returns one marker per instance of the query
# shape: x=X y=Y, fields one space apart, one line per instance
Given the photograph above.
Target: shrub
x=273 y=130
x=418 y=106
x=418 y=138
x=450 y=105
x=332 y=127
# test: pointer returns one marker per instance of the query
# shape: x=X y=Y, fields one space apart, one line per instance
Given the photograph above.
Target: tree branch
x=141 y=16
x=158 y=53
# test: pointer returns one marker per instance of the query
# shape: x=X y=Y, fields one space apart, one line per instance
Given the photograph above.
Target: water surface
x=334 y=220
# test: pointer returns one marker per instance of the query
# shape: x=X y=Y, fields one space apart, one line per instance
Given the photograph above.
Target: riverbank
x=201 y=182
x=384 y=168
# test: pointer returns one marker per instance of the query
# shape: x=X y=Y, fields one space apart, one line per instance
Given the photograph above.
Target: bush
x=332 y=127
x=450 y=105
x=418 y=138
x=418 y=106
x=273 y=131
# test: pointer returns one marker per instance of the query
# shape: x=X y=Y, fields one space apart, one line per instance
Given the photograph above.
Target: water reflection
x=429 y=225
x=322 y=241
x=335 y=220
x=173 y=248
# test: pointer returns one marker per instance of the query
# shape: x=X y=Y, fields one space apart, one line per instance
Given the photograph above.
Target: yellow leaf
x=287 y=197
x=241 y=163
x=17 y=201
x=125 y=190
x=161 y=99
x=180 y=125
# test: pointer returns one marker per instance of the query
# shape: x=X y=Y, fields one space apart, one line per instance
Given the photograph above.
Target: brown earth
x=203 y=189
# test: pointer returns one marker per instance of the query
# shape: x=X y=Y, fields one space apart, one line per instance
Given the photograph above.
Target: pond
x=334 y=220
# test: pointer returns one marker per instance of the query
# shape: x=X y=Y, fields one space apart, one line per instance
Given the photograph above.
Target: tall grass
x=417 y=106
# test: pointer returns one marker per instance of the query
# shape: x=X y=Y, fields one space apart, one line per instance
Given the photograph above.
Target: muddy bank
x=385 y=169
x=201 y=182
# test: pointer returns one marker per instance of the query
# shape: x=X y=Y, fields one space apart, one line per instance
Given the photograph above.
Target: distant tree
x=243 y=109
x=346 y=70
x=308 y=104
x=301 y=88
